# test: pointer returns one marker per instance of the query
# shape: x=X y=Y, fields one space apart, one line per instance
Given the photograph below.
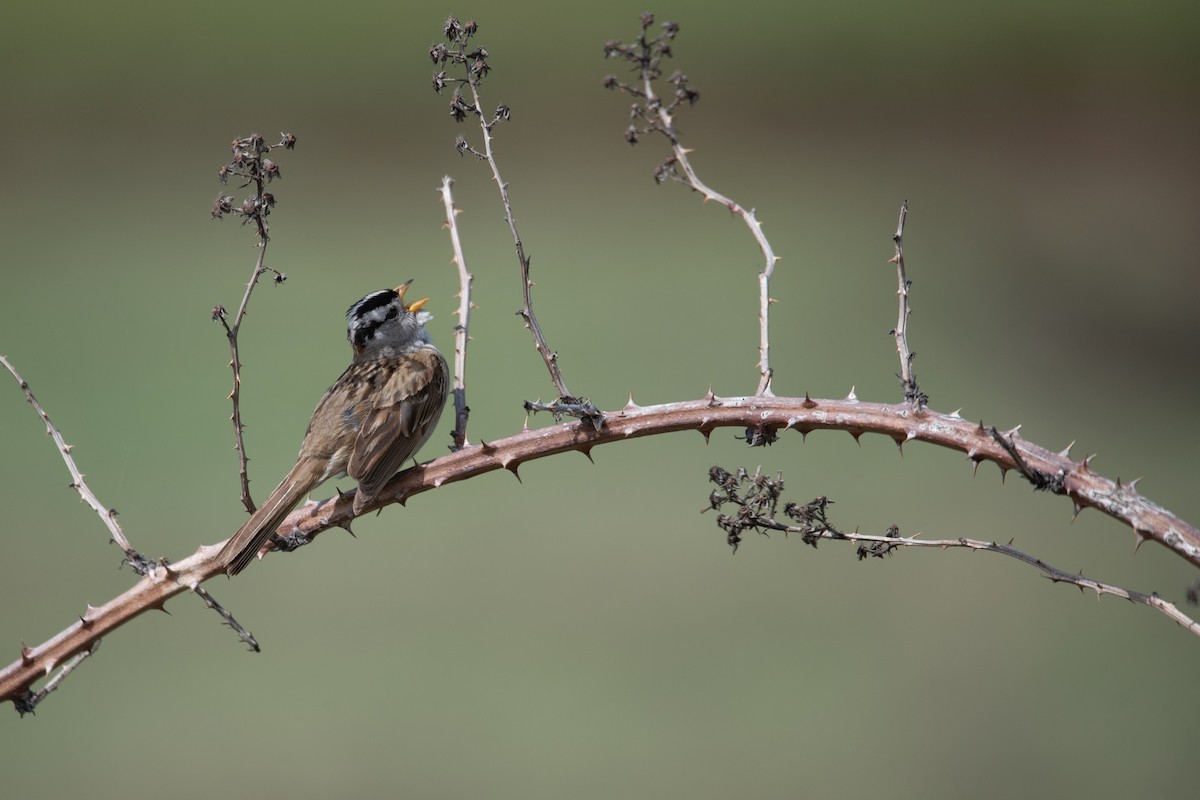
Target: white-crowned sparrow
x=374 y=418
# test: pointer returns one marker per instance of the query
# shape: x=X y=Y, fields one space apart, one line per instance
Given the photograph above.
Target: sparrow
x=368 y=423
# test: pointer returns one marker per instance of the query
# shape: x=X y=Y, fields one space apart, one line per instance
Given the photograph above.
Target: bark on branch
x=763 y=417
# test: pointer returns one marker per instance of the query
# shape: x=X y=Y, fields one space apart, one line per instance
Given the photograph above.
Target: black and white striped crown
x=364 y=318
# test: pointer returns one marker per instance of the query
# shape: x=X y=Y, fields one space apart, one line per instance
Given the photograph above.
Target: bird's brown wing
x=405 y=407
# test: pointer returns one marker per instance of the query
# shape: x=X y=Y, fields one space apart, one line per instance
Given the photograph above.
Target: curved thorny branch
x=653 y=113
x=762 y=418
x=474 y=63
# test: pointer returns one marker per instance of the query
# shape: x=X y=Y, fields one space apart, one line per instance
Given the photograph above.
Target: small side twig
x=250 y=162
x=227 y=618
x=756 y=498
x=1042 y=481
x=476 y=66
x=140 y=564
x=908 y=379
x=28 y=703
x=461 y=331
x=655 y=114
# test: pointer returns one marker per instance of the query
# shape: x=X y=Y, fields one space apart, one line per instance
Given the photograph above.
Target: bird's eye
x=392 y=313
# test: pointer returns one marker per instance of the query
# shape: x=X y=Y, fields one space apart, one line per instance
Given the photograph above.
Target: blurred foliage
x=586 y=633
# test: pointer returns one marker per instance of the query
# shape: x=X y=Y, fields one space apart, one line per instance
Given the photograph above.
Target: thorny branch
x=1081 y=484
x=108 y=516
x=461 y=331
x=474 y=61
x=28 y=701
x=249 y=162
x=908 y=379
x=756 y=499
x=654 y=114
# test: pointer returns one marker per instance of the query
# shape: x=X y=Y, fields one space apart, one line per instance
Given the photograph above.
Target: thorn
x=587 y=451
x=402 y=499
x=709 y=396
x=975 y=467
x=1012 y=433
x=1003 y=472
x=856 y=434
x=981 y=431
x=1066 y=451
x=955 y=414
x=1138 y=538
x=1086 y=465
x=808 y=401
x=630 y=405
x=1077 y=509
x=346 y=527
x=852 y=397
x=513 y=467
x=1133 y=483
x=26 y=655
x=705 y=432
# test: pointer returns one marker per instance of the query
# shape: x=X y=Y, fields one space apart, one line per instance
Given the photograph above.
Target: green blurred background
x=586 y=633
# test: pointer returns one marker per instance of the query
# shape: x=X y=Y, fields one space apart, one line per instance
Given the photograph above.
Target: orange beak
x=417 y=304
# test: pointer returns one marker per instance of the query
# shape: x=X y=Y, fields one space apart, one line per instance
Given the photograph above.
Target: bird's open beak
x=416 y=305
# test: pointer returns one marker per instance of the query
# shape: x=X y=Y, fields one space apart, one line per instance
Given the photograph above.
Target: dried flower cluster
x=250 y=163
x=474 y=60
x=757 y=498
x=651 y=113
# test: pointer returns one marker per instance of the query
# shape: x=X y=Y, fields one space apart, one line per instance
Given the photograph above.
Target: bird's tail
x=243 y=546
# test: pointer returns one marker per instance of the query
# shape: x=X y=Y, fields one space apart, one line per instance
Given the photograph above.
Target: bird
x=377 y=415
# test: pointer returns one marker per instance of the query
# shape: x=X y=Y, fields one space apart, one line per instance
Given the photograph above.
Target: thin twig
x=107 y=515
x=249 y=162
x=648 y=55
x=29 y=702
x=461 y=331
x=476 y=67
x=908 y=379
x=766 y=373
x=882 y=545
x=227 y=618
x=549 y=356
